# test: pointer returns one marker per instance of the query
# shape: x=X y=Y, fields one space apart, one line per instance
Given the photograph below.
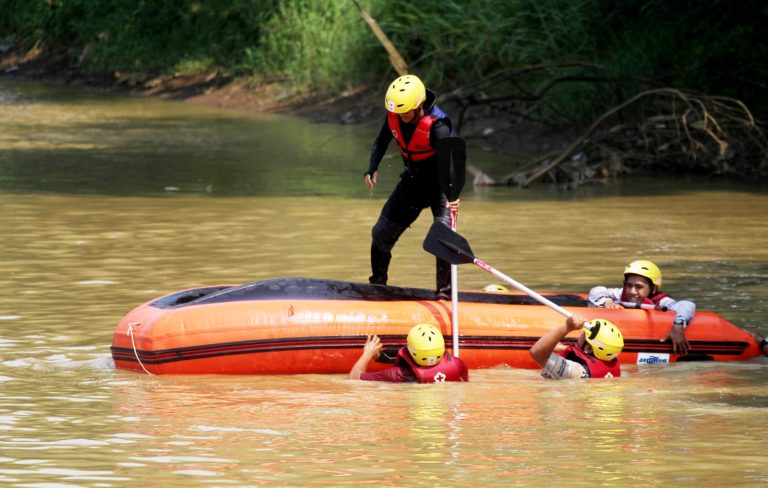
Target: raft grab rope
x=133 y=343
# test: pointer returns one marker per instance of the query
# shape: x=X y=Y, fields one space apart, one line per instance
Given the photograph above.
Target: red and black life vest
x=448 y=369
x=597 y=368
x=419 y=147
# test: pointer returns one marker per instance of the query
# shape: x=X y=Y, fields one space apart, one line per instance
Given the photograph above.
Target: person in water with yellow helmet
x=595 y=354
x=423 y=360
x=416 y=123
x=642 y=285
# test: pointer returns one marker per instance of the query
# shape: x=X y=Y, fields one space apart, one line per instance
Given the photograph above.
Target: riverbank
x=212 y=88
x=362 y=105
x=568 y=157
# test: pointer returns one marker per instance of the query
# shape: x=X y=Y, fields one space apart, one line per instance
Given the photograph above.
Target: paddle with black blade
x=452 y=162
x=450 y=246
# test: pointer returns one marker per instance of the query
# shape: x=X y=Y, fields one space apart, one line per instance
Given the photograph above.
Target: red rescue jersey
x=448 y=369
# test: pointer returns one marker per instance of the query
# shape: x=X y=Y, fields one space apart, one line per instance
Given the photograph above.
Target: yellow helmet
x=426 y=344
x=494 y=288
x=405 y=94
x=645 y=269
x=604 y=337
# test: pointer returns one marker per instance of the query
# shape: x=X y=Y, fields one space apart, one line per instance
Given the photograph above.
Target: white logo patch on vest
x=652 y=358
x=439 y=378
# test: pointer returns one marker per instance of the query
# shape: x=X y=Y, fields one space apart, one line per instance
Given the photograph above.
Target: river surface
x=107 y=201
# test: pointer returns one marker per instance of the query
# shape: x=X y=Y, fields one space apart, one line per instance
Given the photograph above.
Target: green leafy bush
x=324 y=46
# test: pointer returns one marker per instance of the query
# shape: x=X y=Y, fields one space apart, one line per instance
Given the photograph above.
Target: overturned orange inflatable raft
x=291 y=326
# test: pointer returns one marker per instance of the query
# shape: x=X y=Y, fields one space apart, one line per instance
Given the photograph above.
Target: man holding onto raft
x=423 y=360
x=415 y=123
x=642 y=284
x=595 y=354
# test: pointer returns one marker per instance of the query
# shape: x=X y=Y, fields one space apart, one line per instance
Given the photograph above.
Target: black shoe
x=442 y=295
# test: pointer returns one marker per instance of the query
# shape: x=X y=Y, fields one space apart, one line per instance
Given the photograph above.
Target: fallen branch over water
x=666 y=129
x=660 y=129
x=395 y=59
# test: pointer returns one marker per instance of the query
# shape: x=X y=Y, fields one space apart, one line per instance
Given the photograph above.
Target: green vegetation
x=323 y=46
x=153 y=37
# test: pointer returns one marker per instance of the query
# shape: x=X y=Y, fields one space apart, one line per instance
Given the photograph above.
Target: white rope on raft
x=133 y=343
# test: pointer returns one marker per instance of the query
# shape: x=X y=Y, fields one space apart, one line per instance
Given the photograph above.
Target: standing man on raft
x=416 y=124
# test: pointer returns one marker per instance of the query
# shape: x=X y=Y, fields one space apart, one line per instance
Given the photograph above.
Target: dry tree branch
x=714 y=134
x=656 y=128
x=397 y=61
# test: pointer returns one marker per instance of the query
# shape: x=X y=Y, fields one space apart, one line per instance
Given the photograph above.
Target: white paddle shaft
x=455 y=295
x=523 y=288
x=455 y=307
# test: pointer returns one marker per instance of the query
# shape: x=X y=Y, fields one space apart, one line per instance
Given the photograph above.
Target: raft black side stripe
x=512 y=343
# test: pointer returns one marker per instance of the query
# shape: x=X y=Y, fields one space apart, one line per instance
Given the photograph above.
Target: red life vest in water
x=419 y=147
x=597 y=368
x=448 y=369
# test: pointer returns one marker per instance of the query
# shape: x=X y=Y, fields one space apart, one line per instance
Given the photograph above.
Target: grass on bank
x=324 y=46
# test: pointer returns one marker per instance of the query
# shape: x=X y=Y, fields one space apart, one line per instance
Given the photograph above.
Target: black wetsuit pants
x=410 y=197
